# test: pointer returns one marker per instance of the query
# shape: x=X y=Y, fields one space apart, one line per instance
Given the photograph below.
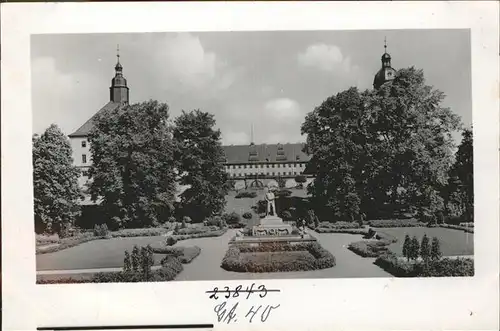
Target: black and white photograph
x=247 y=155
x=250 y=165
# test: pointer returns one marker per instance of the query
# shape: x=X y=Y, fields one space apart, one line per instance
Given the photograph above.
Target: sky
x=265 y=80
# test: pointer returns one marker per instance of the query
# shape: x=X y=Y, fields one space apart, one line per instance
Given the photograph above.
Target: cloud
x=324 y=57
x=283 y=108
x=56 y=94
x=189 y=66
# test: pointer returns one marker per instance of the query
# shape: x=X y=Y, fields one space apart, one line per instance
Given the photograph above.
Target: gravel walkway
x=349 y=265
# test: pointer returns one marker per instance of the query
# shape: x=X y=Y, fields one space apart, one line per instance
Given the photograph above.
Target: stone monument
x=271 y=225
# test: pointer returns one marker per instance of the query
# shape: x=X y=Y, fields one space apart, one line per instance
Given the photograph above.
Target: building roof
x=84 y=130
x=265 y=153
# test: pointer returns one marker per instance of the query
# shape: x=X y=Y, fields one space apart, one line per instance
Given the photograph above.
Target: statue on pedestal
x=270 y=202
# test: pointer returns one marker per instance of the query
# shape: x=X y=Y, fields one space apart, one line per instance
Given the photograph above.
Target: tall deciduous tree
x=133 y=164
x=461 y=187
x=391 y=146
x=200 y=157
x=55 y=182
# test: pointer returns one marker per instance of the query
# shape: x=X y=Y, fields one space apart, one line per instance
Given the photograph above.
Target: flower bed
x=339 y=225
x=146 y=232
x=246 y=194
x=285 y=257
x=367 y=248
x=196 y=230
x=457 y=227
x=170 y=268
x=398 y=223
x=446 y=267
x=184 y=254
x=215 y=233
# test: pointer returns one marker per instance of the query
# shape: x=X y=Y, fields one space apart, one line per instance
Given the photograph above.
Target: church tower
x=386 y=73
x=118 y=92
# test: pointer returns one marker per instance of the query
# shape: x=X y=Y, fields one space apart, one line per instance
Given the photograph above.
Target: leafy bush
x=171 y=241
x=386 y=237
x=101 y=230
x=435 y=249
x=398 y=223
x=215 y=221
x=367 y=248
x=247 y=215
x=300 y=179
x=319 y=258
x=231 y=218
x=467 y=224
x=246 y=194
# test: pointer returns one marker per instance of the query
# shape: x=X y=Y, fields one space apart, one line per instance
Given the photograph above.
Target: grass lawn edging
x=457 y=227
x=322 y=258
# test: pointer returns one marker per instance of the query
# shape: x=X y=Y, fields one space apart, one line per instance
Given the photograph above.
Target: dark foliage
x=246 y=194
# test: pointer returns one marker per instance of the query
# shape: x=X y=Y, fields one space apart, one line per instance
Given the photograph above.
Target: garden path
x=349 y=265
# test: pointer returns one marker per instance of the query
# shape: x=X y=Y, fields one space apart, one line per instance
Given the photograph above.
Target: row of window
x=290 y=173
x=278 y=165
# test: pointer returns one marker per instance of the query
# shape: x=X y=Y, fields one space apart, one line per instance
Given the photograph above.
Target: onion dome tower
x=386 y=73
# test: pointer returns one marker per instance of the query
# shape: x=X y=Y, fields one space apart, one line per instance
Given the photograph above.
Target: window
x=273 y=173
x=290 y=173
x=279 y=165
x=272 y=166
x=239 y=166
x=279 y=173
x=295 y=172
x=84 y=143
x=251 y=166
x=84 y=158
x=244 y=166
x=234 y=167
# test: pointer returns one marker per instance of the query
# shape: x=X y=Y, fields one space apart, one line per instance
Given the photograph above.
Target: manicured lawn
x=102 y=253
x=453 y=242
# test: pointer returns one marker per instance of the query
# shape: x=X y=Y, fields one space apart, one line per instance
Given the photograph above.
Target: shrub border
x=323 y=258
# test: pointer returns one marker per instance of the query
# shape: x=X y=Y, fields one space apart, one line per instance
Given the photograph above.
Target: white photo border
x=354 y=304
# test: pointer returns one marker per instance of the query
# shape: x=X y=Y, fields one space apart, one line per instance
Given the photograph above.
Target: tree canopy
x=133 y=164
x=55 y=182
x=199 y=157
x=387 y=147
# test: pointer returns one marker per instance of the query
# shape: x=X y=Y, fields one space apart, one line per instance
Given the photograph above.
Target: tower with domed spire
x=118 y=91
x=386 y=73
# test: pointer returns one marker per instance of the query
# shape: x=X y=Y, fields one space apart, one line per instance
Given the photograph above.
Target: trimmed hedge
x=339 y=225
x=349 y=231
x=146 y=232
x=42 y=239
x=387 y=238
x=184 y=254
x=366 y=248
x=216 y=233
x=446 y=267
x=398 y=223
x=320 y=258
x=196 y=230
x=457 y=227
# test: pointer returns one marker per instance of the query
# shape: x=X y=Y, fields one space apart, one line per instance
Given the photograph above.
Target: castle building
x=258 y=163
x=386 y=73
